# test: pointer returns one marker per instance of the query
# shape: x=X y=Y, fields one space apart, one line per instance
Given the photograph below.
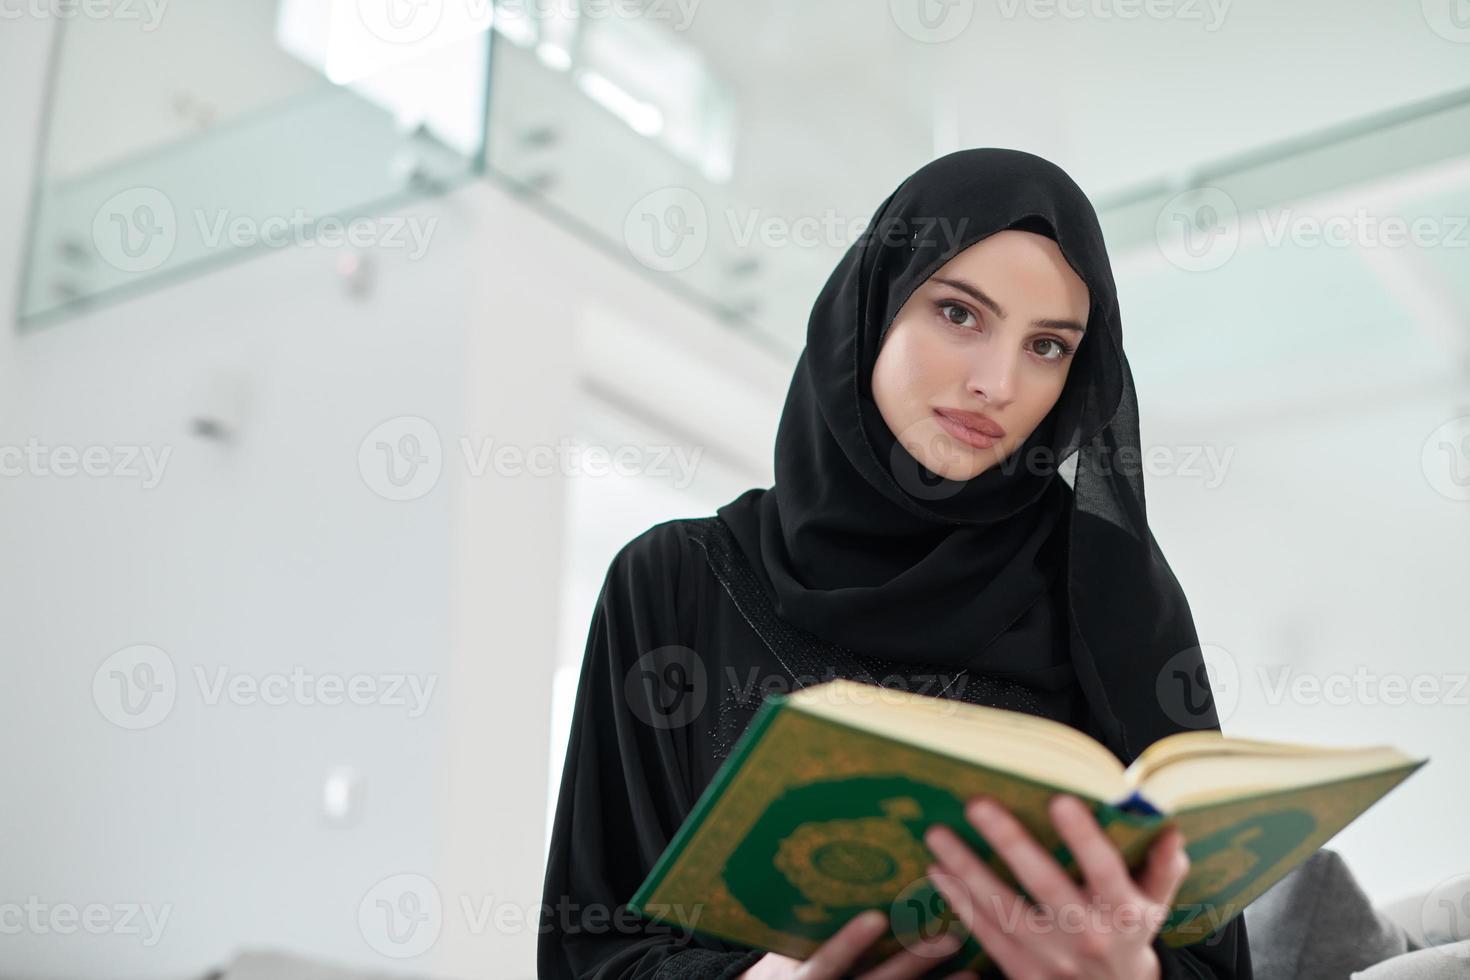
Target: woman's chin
x=946 y=457
x=954 y=460
x=960 y=467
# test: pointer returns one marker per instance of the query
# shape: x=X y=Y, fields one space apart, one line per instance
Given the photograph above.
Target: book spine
x=1136 y=803
x=765 y=714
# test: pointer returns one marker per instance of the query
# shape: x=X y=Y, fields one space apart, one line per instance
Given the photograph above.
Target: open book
x=820 y=811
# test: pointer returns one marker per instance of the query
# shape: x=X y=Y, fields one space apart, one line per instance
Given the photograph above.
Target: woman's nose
x=993 y=376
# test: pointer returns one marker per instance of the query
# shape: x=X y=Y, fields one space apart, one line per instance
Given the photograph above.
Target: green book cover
x=819 y=813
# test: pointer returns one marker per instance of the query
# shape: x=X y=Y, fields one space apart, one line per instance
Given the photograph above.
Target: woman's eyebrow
x=965 y=286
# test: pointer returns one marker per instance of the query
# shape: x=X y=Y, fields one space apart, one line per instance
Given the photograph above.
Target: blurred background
x=347 y=340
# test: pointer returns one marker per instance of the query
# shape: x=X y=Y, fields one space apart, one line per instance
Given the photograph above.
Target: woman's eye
x=1061 y=349
x=959 y=315
x=951 y=309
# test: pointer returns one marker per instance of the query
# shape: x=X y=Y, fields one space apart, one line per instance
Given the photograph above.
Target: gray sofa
x=1317 y=923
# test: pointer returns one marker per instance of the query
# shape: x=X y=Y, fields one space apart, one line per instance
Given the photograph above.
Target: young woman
x=958 y=510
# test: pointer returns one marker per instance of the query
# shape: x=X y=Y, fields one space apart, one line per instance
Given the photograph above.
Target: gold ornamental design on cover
x=843 y=863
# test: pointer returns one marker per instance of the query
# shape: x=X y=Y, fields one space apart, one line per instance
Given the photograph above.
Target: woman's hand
x=835 y=958
x=1102 y=928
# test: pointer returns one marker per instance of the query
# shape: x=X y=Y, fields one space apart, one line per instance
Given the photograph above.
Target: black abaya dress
x=684 y=643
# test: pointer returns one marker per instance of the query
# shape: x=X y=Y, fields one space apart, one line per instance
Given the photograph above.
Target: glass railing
x=241 y=144
x=756 y=250
x=280 y=121
x=677 y=218
x=1332 y=270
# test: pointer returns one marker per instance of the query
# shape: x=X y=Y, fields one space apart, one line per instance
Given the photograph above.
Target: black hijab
x=861 y=545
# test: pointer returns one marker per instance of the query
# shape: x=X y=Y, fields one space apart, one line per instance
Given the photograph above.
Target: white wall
x=274 y=552
x=1324 y=554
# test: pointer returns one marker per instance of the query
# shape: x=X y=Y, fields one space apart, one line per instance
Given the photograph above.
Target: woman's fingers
x=1035 y=868
x=1024 y=940
x=1102 y=866
x=1003 y=924
x=955 y=857
x=1004 y=949
x=916 y=960
x=1168 y=866
x=836 y=956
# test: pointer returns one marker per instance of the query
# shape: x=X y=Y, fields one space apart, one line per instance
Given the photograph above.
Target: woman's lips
x=962 y=432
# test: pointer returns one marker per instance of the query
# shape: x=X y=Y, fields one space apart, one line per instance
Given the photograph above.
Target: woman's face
x=993 y=333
